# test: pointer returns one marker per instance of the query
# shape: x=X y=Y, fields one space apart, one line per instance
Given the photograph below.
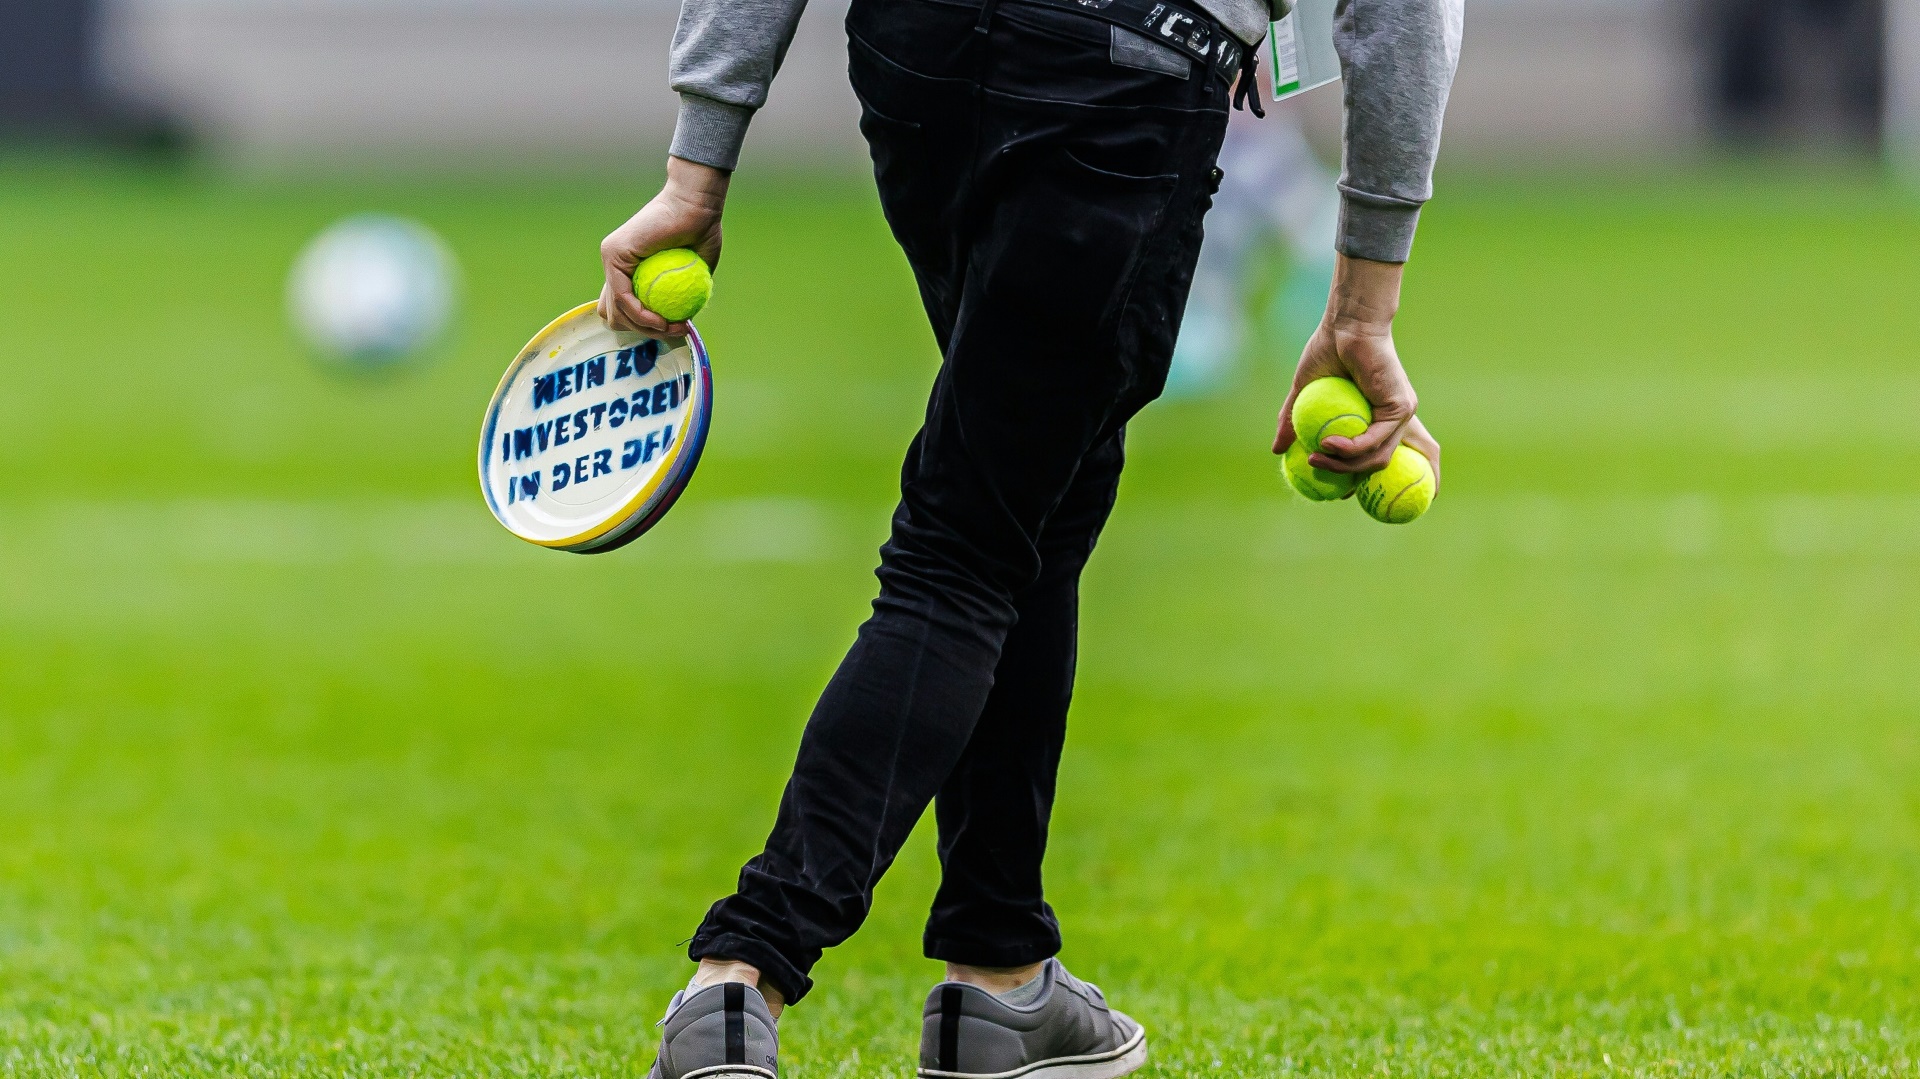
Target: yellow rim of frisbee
x=624 y=513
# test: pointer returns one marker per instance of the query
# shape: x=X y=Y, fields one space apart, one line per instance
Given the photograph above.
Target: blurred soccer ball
x=373 y=290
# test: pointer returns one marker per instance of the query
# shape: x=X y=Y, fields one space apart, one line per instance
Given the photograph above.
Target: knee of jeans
x=955 y=577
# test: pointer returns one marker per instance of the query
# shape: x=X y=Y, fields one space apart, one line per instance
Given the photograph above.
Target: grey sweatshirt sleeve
x=725 y=54
x=1397 y=59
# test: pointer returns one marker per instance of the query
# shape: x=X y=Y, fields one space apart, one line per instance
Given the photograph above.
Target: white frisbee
x=592 y=434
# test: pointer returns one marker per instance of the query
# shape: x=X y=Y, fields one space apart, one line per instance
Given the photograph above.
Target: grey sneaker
x=717 y=1032
x=1068 y=1033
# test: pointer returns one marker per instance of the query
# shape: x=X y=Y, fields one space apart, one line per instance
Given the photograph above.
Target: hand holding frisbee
x=599 y=422
x=593 y=432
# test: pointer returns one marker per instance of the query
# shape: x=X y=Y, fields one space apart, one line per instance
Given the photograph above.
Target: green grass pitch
x=1607 y=766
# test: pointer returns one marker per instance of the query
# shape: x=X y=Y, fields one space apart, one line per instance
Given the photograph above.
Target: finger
x=619 y=281
x=616 y=316
x=615 y=295
x=1362 y=454
x=642 y=319
x=650 y=322
x=1283 y=434
x=1368 y=462
x=627 y=315
x=618 y=257
x=1376 y=443
x=638 y=314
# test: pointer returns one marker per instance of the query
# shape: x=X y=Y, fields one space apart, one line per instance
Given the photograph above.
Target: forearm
x=1397 y=59
x=725 y=55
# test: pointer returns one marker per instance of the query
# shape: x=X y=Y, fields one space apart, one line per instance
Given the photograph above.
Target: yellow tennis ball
x=1401 y=491
x=1313 y=483
x=1330 y=406
x=673 y=284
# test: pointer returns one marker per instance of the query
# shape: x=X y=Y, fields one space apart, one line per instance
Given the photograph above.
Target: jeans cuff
x=975 y=953
x=774 y=967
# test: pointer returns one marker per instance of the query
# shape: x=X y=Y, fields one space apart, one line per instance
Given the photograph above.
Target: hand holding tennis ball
x=1351 y=402
x=674 y=284
x=1327 y=407
x=684 y=216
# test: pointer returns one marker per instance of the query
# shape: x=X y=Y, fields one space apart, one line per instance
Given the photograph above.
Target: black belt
x=1196 y=34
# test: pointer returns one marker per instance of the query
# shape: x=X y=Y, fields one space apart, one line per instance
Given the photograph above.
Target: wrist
x=697 y=185
x=1365 y=296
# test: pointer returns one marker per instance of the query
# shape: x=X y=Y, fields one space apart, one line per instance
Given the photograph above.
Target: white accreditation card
x=1302 y=43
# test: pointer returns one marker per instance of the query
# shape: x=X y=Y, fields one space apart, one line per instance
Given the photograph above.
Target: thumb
x=1377 y=441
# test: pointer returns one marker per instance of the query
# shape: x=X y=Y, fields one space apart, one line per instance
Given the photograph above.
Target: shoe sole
x=727 y=1071
x=1108 y=1065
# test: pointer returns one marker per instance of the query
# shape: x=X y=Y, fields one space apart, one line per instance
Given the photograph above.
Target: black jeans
x=1050 y=202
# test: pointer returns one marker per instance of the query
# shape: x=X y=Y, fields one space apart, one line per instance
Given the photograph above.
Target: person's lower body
x=1049 y=194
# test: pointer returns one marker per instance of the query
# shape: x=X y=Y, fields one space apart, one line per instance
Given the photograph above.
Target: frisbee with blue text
x=592 y=433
